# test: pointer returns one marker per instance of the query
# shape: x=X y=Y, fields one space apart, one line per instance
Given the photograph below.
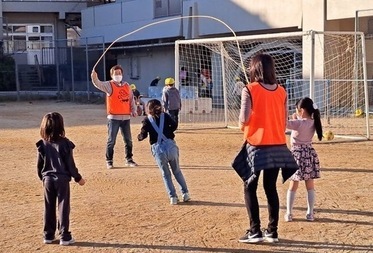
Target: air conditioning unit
x=33 y=29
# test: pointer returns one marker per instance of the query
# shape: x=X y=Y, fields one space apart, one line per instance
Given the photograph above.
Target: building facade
x=144 y=31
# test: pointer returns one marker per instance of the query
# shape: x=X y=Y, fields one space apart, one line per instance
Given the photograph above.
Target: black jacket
x=56 y=159
x=168 y=130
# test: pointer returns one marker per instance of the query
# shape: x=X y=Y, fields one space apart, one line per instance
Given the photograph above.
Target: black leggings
x=252 y=205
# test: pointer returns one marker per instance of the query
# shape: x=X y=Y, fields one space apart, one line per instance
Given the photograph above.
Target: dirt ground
x=127 y=209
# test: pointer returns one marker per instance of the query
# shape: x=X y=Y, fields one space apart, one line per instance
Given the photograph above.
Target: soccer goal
x=329 y=67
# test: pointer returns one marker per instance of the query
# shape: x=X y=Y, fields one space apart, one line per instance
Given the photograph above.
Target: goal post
x=329 y=67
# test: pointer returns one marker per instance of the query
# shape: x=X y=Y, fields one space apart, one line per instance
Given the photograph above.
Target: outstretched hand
x=81 y=181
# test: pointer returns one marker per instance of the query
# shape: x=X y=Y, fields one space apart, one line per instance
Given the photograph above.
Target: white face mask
x=117 y=78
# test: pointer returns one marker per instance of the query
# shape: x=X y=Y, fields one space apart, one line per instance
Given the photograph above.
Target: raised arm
x=102 y=86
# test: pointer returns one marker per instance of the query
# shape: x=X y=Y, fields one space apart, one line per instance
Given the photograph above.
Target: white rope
x=172 y=19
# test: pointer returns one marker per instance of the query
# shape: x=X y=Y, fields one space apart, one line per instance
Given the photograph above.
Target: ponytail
x=317 y=122
x=307 y=104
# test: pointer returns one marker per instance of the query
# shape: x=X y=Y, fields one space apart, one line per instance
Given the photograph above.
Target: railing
x=79 y=1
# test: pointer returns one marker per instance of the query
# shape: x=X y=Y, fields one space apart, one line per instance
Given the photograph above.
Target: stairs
x=31 y=79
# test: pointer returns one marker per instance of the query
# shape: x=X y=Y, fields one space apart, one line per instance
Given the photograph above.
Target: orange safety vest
x=266 y=125
x=119 y=102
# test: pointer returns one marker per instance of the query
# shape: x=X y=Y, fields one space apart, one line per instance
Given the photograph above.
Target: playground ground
x=127 y=209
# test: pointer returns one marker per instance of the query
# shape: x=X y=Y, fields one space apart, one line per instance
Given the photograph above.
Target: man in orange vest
x=120 y=107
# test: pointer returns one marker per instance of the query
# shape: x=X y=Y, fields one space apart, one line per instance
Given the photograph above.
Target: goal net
x=329 y=67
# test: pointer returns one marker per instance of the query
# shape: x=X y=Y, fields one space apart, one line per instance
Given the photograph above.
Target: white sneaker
x=310 y=217
x=131 y=163
x=46 y=241
x=186 y=197
x=109 y=164
x=66 y=243
x=288 y=217
x=173 y=200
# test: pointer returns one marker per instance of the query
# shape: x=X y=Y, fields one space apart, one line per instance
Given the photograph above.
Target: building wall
x=342 y=9
x=242 y=16
x=151 y=62
x=39 y=18
x=125 y=18
x=118 y=19
x=134 y=20
x=40 y=12
x=43 y=6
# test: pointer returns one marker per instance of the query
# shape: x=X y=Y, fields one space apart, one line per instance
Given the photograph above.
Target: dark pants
x=251 y=201
x=208 y=93
x=113 y=128
x=174 y=115
x=205 y=93
x=56 y=189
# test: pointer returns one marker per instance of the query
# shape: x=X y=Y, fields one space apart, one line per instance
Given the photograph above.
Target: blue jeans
x=163 y=163
x=113 y=128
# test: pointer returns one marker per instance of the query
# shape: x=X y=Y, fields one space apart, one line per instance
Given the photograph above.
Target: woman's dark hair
x=262 y=69
x=308 y=105
x=52 y=127
x=154 y=107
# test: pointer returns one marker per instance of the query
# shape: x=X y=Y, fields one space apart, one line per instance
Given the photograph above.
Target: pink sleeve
x=245 y=111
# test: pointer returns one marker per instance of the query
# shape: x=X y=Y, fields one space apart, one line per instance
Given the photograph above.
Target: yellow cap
x=169 y=81
x=133 y=86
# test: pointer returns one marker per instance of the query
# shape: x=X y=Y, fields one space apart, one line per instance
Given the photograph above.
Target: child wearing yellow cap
x=171 y=99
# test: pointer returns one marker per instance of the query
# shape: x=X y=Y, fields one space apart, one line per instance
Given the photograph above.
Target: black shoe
x=270 y=237
x=250 y=237
x=131 y=163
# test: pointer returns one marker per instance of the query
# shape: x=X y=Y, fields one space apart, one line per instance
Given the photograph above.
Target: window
x=33 y=42
x=174 y=7
x=19 y=29
x=135 y=68
x=165 y=8
x=6 y=30
x=46 y=29
x=19 y=43
x=370 y=26
x=23 y=37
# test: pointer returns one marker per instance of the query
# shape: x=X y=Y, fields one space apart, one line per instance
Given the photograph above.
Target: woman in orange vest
x=263 y=117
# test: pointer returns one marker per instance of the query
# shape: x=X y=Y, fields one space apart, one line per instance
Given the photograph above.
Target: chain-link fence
x=59 y=68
